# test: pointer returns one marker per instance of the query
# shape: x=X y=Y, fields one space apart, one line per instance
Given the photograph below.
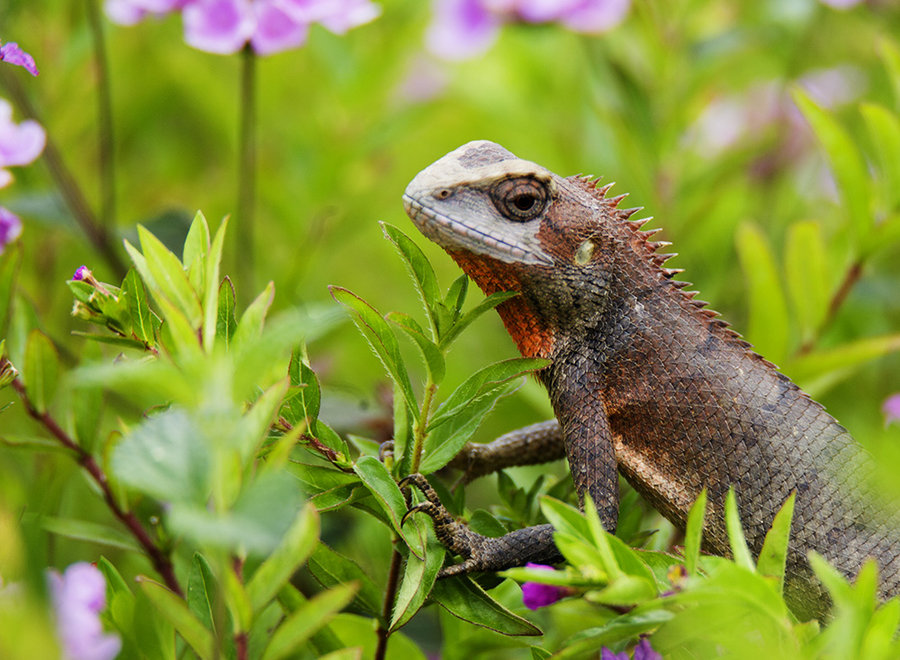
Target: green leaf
x=739 y=549
x=226 y=323
x=254 y=426
x=418 y=580
x=307 y=619
x=33 y=443
x=41 y=371
x=112 y=340
x=287 y=558
x=182 y=336
x=213 y=314
x=250 y=326
x=846 y=163
x=483 y=383
x=141 y=317
x=196 y=247
x=330 y=569
x=170 y=278
x=467 y=601
x=256 y=524
x=883 y=127
x=380 y=483
x=305 y=402
x=176 y=612
x=768 y=327
x=808 y=276
x=431 y=354
x=201 y=597
x=890 y=55
x=85 y=530
x=421 y=271
x=619 y=629
x=382 y=340
x=456 y=294
x=821 y=370
x=10 y=260
x=694 y=533
x=484 y=306
x=773 y=556
x=166 y=457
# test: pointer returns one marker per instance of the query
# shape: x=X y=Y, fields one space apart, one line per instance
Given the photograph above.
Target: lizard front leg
x=482 y=553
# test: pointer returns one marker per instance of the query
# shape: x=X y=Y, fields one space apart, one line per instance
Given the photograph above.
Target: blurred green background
x=345 y=122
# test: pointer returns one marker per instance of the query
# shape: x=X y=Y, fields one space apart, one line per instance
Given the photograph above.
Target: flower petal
x=20 y=143
x=10 y=227
x=123 y=12
x=218 y=26
x=643 y=651
x=276 y=30
x=593 y=16
x=345 y=15
x=461 y=29
x=12 y=54
x=891 y=409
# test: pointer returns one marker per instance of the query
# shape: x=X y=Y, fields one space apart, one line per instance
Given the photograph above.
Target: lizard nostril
x=443 y=193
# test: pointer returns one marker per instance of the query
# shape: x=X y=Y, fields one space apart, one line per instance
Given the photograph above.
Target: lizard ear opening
x=520 y=199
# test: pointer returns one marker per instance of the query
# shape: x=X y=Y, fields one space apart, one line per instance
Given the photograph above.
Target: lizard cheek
x=584 y=253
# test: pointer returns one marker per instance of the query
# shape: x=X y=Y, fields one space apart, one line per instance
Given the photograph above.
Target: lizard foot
x=481 y=553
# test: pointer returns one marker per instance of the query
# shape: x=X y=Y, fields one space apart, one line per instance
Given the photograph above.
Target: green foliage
x=177 y=422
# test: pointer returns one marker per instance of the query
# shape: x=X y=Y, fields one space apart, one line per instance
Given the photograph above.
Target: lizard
x=644 y=380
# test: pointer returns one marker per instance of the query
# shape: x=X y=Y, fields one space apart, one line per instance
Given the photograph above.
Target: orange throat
x=531 y=334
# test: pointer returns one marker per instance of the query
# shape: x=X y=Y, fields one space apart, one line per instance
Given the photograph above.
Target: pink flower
x=536 y=595
x=643 y=651
x=20 y=144
x=219 y=26
x=607 y=654
x=270 y=26
x=10 y=227
x=11 y=53
x=891 y=409
x=840 y=4
x=81 y=273
x=464 y=28
x=79 y=595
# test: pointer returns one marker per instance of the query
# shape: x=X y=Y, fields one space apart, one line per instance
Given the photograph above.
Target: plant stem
x=65 y=181
x=390 y=592
x=851 y=277
x=422 y=424
x=240 y=638
x=160 y=560
x=105 y=139
x=247 y=167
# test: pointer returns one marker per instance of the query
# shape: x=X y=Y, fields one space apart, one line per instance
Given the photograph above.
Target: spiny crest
x=650 y=250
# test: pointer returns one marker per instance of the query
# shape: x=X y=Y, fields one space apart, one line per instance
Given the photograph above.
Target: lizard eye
x=520 y=199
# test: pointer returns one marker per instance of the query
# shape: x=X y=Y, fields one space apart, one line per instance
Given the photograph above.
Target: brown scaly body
x=643 y=379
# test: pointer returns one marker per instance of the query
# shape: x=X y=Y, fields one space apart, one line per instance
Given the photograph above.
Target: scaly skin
x=643 y=379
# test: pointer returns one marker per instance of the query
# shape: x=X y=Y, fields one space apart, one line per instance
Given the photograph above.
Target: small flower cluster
x=465 y=28
x=891 y=409
x=20 y=143
x=79 y=595
x=642 y=651
x=269 y=26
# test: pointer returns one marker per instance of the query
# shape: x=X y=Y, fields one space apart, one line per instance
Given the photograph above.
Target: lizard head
x=514 y=225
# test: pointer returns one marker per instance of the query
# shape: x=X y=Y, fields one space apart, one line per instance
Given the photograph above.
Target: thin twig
x=390 y=593
x=157 y=556
x=851 y=277
x=65 y=180
x=247 y=167
x=240 y=638
x=105 y=137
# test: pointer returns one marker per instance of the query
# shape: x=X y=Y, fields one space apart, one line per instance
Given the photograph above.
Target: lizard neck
x=522 y=316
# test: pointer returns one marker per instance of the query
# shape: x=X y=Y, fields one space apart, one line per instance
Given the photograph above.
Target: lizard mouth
x=450 y=233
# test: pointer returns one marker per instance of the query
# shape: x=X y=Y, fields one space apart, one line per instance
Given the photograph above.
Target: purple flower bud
x=10 y=227
x=11 y=53
x=82 y=273
x=607 y=654
x=19 y=143
x=643 y=651
x=79 y=595
x=891 y=409
x=536 y=595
